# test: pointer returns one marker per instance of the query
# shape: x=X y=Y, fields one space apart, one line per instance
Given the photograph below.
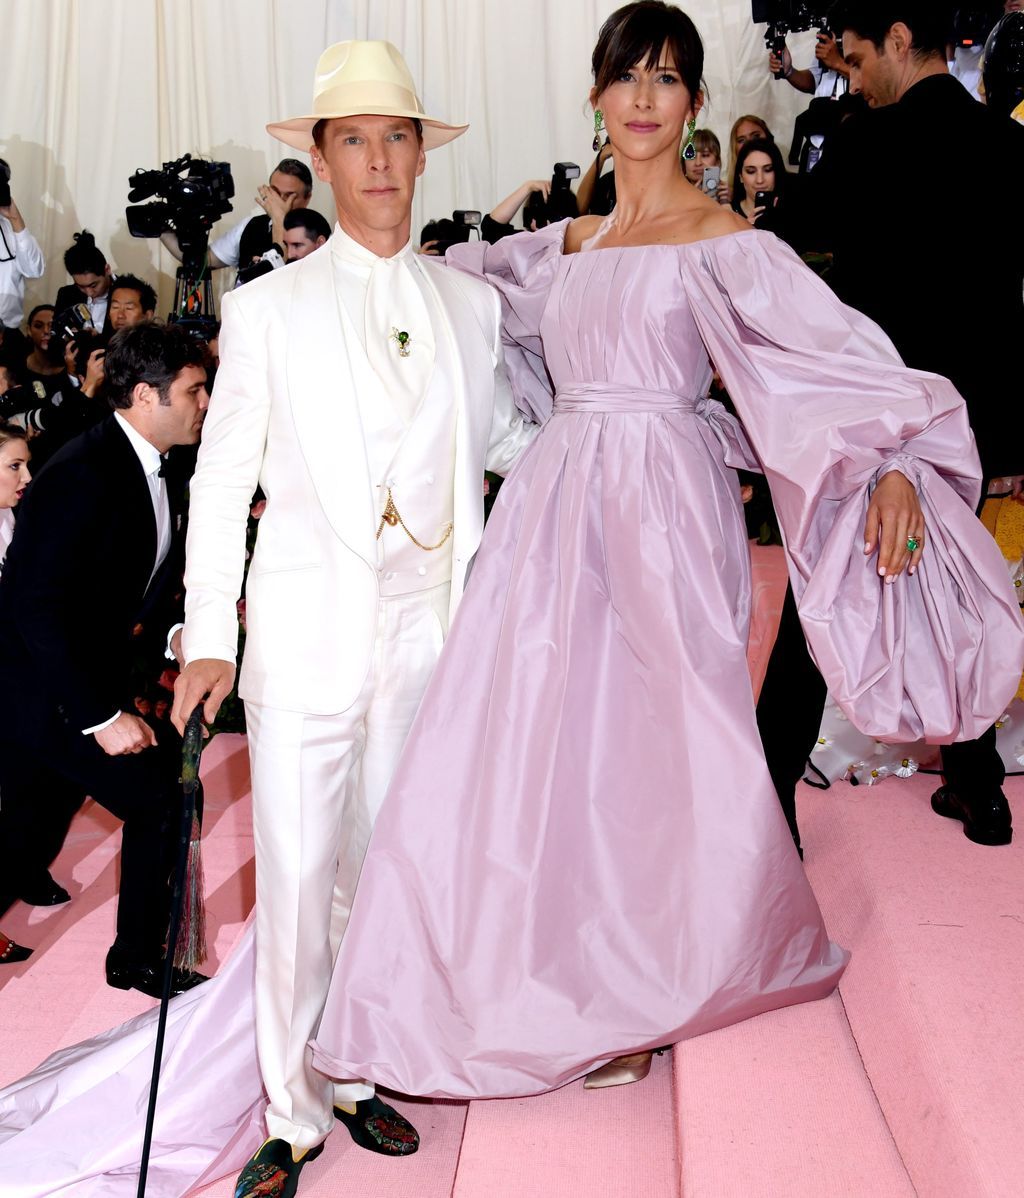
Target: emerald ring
x=913 y=544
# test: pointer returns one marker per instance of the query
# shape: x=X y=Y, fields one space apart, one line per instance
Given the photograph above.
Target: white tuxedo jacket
x=284 y=415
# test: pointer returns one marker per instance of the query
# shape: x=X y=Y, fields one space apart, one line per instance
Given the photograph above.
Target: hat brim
x=298 y=132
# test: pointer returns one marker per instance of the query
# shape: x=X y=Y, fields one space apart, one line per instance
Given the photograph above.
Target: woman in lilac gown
x=581 y=854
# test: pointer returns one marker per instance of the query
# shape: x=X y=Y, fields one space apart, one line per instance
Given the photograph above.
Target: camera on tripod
x=784 y=17
x=193 y=195
x=189 y=204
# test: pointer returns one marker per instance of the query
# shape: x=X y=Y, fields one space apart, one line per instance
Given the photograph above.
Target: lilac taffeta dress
x=581 y=853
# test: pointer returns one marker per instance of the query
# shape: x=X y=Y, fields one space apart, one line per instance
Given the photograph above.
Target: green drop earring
x=598 y=128
x=689 y=152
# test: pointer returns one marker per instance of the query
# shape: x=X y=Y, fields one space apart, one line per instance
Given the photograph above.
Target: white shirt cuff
x=169 y=652
x=100 y=727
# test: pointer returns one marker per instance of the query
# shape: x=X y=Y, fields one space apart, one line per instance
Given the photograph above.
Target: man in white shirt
x=827 y=77
x=20 y=259
x=374 y=484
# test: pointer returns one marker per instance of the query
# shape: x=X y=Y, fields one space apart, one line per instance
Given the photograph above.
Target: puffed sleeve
x=521 y=268
x=829 y=406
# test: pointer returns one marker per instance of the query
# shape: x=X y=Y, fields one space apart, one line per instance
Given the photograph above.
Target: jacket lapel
x=137 y=510
x=322 y=381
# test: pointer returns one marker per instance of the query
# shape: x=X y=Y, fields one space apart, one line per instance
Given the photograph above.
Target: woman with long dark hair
x=581 y=857
x=759 y=169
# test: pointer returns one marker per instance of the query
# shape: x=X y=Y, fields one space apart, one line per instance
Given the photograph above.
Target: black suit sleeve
x=58 y=521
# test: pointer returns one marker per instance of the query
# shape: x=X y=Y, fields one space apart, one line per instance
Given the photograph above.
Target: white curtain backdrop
x=93 y=89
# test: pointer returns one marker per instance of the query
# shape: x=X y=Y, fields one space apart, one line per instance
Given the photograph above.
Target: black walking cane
x=192 y=747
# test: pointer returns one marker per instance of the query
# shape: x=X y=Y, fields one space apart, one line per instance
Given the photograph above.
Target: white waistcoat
x=415 y=460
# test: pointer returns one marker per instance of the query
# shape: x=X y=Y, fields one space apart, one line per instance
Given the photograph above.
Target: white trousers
x=318 y=783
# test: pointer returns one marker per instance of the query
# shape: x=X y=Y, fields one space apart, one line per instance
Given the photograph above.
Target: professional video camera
x=784 y=17
x=189 y=205
x=561 y=201
x=451 y=232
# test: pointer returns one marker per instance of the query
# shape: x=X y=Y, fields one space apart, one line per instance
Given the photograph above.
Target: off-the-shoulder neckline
x=657 y=245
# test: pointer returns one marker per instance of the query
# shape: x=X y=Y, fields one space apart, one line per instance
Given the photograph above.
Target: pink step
x=935 y=992
x=574 y=1143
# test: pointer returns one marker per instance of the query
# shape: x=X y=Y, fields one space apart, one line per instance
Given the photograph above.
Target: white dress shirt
x=830 y=84
x=150 y=460
x=97 y=305
x=20 y=259
x=6 y=532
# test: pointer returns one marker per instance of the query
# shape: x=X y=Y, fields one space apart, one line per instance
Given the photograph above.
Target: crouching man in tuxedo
x=96 y=553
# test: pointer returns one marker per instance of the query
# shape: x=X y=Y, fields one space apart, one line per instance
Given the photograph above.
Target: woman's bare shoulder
x=720 y=222
x=579 y=231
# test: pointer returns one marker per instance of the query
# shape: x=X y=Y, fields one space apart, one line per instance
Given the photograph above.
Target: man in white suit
x=363 y=389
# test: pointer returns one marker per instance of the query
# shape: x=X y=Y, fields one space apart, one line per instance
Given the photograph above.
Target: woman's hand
x=894 y=517
x=756 y=215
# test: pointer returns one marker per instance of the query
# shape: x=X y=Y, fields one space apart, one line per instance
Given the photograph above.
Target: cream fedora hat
x=363 y=79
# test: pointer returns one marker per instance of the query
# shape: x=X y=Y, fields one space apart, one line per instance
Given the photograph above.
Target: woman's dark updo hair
x=639 y=32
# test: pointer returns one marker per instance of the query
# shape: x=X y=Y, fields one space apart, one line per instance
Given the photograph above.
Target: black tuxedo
x=935 y=256
x=74 y=592
x=69 y=295
x=937 y=260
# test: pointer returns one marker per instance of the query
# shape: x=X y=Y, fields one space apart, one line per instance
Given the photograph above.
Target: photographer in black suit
x=86 y=264
x=942 y=274
x=97 y=553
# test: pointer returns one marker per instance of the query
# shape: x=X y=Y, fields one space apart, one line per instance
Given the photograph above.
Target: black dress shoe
x=273 y=1172
x=378 y=1127
x=148 y=976
x=44 y=892
x=11 y=953
x=986 y=818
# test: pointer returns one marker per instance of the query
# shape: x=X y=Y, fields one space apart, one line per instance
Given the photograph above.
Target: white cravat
x=393 y=304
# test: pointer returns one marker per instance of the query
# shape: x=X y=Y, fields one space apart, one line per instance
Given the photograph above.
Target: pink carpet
x=908 y=1081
